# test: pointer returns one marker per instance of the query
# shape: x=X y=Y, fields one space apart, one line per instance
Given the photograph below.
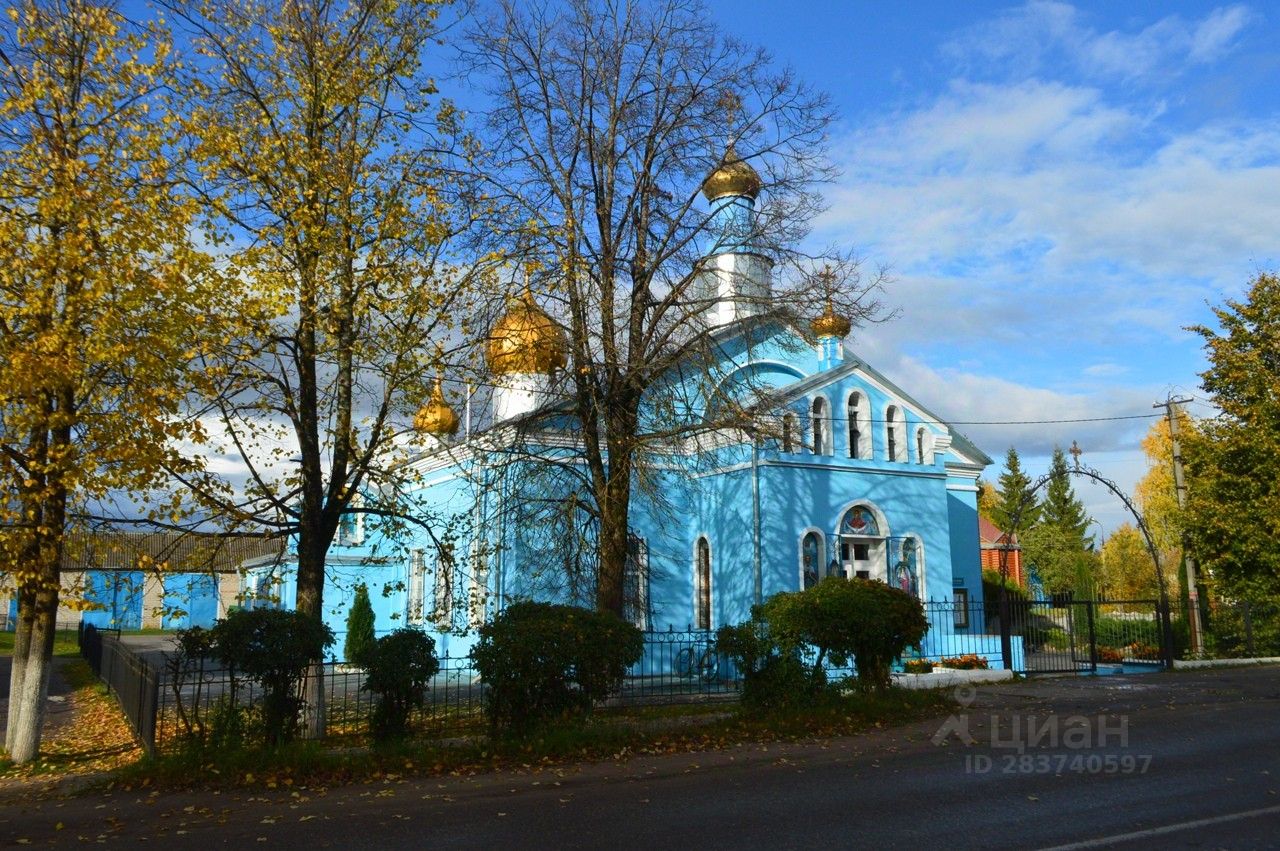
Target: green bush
x=541 y=661
x=360 y=632
x=272 y=647
x=774 y=677
x=836 y=620
x=399 y=667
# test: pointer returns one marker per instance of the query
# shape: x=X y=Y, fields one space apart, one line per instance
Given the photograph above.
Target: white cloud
x=1045 y=201
x=1106 y=370
x=1039 y=35
x=997 y=413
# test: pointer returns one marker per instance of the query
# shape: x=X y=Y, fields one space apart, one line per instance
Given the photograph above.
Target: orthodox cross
x=1076 y=452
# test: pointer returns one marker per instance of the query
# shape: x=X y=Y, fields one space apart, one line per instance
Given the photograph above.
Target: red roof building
x=992 y=541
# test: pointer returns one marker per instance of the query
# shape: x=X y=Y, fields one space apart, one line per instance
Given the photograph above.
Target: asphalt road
x=1184 y=760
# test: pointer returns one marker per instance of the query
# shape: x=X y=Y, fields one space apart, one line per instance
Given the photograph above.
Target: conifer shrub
x=398 y=666
x=542 y=661
x=360 y=628
x=272 y=647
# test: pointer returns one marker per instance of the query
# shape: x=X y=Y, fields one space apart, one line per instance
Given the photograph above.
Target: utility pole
x=1172 y=411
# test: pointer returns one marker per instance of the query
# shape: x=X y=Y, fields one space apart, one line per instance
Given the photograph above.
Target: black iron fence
x=196 y=697
x=1239 y=629
x=134 y=683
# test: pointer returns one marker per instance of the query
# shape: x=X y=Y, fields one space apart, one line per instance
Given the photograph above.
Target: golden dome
x=436 y=417
x=735 y=176
x=525 y=340
x=831 y=325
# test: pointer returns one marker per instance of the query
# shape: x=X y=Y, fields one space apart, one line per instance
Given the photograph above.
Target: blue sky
x=1058 y=189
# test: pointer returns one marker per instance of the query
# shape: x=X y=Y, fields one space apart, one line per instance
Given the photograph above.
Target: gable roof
x=851 y=364
x=991 y=534
x=169 y=550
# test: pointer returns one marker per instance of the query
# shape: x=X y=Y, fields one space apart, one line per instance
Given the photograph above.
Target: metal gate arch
x=1162 y=605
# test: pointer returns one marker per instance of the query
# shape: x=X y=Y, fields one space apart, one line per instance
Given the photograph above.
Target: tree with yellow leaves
x=103 y=301
x=336 y=183
x=1154 y=492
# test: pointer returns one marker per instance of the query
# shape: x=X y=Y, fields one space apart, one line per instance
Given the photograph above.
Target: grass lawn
x=64 y=643
x=607 y=734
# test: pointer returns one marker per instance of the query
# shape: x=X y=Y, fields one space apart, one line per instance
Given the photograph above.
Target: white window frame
x=701 y=590
x=415 y=596
x=820 y=425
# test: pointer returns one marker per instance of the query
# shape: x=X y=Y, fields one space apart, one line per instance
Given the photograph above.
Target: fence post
x=1093 y=636
x=1006 y=639
x=1248 y=629
x=1166 y=623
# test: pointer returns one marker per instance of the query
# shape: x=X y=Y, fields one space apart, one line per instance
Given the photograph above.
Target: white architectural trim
x=881 y=520
x=866 y=442
x=827 y=419
x=711 y=583
x=899 y=432
x=921 y=565
x=822 y=552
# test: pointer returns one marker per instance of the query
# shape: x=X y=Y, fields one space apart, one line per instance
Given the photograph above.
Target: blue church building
x=846 y=475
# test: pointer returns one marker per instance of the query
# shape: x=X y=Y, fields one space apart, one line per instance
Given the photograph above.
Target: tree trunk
x=615 y=511
x=25 y=734
x=21 y=650
x=310 y=601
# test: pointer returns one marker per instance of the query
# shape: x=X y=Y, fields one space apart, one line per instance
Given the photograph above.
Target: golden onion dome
x=436 y=418
x=734 y=176
x=525 y=340
x=831 y=325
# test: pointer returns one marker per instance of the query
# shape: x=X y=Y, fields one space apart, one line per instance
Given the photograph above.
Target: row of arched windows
x=858 y=422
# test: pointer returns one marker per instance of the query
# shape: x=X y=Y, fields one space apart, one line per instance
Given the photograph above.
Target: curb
x=1191 y=664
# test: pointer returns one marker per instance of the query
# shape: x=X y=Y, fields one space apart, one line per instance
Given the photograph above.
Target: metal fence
x=134 y=683
x=1029 y=636
x=1234 y=629
x=676 y=667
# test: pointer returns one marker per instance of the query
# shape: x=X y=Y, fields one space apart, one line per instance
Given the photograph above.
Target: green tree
x=1127 y=571
x=1052 y=553
x=360 y=628
x=1014 y=489
x=1061 y=508
x=326 y=161
x=1233 y=494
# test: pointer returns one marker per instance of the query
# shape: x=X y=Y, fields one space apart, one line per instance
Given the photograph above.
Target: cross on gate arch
x=1077 y=469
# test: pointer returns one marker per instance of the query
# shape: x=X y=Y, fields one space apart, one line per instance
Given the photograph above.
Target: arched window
x=891 y=432
x=818 y=413
x=924 y=448
x=810 y=559
x=859 y=521
x=906 y=572
x=788 y=432
x=855 y=428
x=702 y=585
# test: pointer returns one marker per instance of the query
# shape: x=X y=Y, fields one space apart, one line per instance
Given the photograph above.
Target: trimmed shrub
x=541 y=661
x=399 y=667
x=834 y=621
x=273 y=647
x=773 y=674
x=360 y=632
